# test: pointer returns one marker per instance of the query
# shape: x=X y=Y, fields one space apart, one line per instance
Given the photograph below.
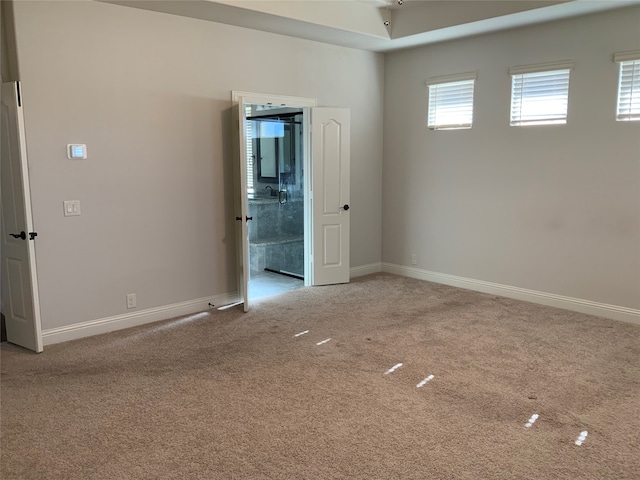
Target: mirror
x=267 y=159
x=275 y=148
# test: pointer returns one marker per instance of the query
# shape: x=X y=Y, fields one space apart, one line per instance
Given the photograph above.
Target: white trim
x=365 y=269
x=615 y=312
x=541 y=67
x=128 y=320
x=452 y=78
x=626 y=56
x=238 y=96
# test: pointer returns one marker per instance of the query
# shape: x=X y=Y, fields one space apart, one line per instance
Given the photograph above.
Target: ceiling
x=361 y=23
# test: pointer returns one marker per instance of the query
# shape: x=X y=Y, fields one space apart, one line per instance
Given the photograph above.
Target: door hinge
x=18 y=93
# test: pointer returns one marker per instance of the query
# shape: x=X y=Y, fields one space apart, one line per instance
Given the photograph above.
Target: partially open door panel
x=241 y=207
x=330 y=159
x=21 y=304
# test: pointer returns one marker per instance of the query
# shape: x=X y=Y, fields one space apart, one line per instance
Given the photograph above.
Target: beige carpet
x=237 y=396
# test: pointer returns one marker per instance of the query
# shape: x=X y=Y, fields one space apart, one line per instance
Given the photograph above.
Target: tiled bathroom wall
x=276 y=235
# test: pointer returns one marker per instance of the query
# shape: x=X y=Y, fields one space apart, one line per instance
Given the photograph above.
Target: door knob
x=21 y=235
x=32 y=235
x=249 y=218
x=346 y=207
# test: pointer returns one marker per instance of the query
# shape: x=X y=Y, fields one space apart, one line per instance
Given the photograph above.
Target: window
x=451 y=102
x=249 y=125
x=628 y=86
x=539 y=94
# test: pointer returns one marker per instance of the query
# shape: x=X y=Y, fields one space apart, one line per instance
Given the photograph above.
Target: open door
x=20 y=302
x=240 y=101
x=242 y=207
x=327 y=210
x=330 y=157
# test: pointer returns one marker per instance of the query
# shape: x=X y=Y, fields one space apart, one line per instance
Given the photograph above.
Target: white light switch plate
x=71 y=208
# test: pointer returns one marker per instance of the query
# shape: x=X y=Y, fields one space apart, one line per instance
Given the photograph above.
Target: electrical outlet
x=414 y=259
x=131 y=300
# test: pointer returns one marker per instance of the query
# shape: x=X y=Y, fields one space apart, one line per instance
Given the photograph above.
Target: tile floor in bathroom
x=264 y=284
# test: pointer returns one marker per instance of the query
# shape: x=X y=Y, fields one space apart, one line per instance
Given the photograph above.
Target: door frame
x=240 y=99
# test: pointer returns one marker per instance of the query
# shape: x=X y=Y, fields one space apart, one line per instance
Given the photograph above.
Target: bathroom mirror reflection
x=277 y=141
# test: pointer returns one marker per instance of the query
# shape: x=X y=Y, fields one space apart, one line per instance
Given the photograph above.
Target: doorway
x=324 y=177
x=275 y=192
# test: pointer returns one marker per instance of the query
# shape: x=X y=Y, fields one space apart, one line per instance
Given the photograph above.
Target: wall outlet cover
x=131 y=300
x=71 y=208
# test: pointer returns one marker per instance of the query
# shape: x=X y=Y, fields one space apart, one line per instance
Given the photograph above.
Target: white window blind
x=628 y=86
x=451 y=102
x=539 y=97
x=249 y=127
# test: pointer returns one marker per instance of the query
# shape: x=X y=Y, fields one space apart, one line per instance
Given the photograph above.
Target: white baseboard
x=614 y=312
x=127 y=320
x=365 y=270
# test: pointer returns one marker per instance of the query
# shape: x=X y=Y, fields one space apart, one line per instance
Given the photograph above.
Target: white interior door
x=330 y=150
x=242 y=208
x=20 y=302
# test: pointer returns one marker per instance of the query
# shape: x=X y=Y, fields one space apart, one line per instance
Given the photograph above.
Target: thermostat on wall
x=76 y=152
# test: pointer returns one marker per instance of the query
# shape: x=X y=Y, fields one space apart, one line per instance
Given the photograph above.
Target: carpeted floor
x=229 y=395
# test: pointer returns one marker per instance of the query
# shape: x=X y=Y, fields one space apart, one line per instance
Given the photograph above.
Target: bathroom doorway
x=276 y=192
x=320 y=174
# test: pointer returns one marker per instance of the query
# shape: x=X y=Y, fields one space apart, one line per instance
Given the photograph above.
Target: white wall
x=550 y=208
x=4 y=65
x=7 y=65
x=149 y=94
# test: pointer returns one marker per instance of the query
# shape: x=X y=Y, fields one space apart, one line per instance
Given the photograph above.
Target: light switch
x=71 y=208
